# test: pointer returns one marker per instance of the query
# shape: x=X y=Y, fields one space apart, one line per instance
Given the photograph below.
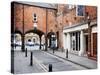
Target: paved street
x=41 y=61
x=80 y=60
x=57 y=63
x=22 y=64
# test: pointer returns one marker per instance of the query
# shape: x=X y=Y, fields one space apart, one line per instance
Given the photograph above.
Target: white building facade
x=75 y=38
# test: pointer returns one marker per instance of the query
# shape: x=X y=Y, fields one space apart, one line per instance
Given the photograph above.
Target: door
x=86 y=43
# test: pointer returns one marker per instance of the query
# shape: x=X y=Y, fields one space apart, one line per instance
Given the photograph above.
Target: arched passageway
x=31 y=38
x=52 y=41
x=16 y=40
x=35 y=37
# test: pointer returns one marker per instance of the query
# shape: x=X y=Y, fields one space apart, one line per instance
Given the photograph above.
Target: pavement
x=58 y=64
x=42 y=59
x=80 y=60
x=22 y=64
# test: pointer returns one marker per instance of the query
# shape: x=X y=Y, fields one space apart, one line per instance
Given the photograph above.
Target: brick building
x=80 y=30
x=25 y=15
x=69 y=24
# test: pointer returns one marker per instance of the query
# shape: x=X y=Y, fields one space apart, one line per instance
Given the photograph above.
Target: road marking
x=45 y=68
x=68 y=62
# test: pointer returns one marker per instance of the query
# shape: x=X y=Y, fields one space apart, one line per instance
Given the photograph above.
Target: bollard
x=15 y=46
x=50 y=67
x=31 y=59
x=53 y=51
x=66 y=53
x=62 y=49
x=26 y=52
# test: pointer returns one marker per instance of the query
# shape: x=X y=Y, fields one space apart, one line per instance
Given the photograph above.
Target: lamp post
x=89 y=35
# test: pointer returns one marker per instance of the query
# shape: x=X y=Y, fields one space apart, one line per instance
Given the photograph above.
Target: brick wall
x=94 y=44
x=92 y=10
x=28 y=17
x=65 y=17
x=51 y=20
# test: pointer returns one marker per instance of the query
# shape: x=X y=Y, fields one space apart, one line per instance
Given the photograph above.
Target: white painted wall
x=82 y=44
x=68 y=41
x=76 y=28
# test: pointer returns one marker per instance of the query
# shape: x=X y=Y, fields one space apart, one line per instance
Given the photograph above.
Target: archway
x=16 y=41
x=37 y=37
x=32 y=41
x=52 y=40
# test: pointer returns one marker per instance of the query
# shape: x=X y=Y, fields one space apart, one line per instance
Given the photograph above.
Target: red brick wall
x=53 y=23
x=51 y=20
x=69 y=15
x=18 y=16
x=92 y=10
x=28 y=17
x=41 y=17
x=94 y=44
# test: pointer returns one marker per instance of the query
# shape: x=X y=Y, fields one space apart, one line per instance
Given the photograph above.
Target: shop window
x=75 y=41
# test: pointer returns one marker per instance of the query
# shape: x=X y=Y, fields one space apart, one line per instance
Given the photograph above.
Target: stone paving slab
x=22 y=64
x=58 y=65
x=91 y=64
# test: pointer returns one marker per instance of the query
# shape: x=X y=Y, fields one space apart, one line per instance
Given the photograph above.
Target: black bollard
x=50 y=67
x=26 y=52
x=53 y=51
x=15 y=46
x=62 y=49
x=66 y=53
x=31 y=59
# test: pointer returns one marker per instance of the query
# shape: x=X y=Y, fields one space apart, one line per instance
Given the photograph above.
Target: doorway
x=86 y=43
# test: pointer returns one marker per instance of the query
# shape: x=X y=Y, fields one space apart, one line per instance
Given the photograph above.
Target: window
x=80 y=10
x=71 y=6
x=35 y=17
x=75 y=41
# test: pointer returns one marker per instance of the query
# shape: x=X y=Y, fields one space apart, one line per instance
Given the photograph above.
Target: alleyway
x=41 y=61
x=79 y=60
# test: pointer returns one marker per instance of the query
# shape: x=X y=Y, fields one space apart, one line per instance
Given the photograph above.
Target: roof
x=38 y=4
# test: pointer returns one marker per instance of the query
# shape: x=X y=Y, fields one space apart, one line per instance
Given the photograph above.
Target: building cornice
x=79 y=24
x=78 y=27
